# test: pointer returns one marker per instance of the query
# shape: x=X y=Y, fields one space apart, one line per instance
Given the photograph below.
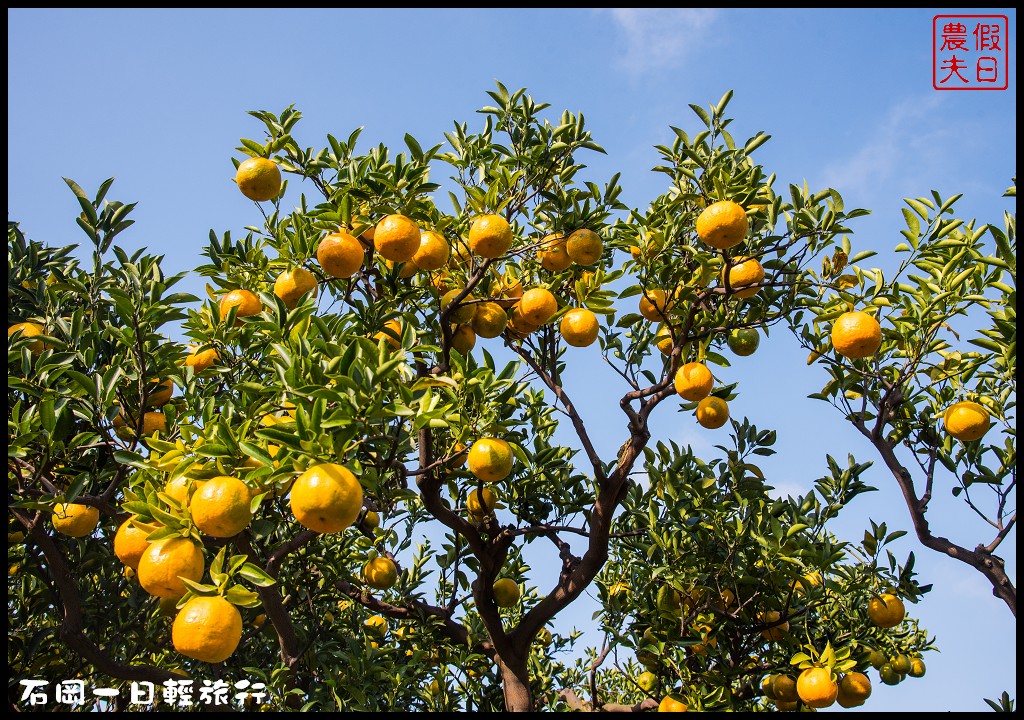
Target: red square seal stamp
x=970 y=52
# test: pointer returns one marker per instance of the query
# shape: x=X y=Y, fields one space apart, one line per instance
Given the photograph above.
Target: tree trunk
x=515 y=683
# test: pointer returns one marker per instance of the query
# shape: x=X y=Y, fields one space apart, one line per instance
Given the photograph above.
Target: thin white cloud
x=900 y=145
x=659 y=38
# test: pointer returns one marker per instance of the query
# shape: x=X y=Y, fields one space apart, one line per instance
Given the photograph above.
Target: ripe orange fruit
x=537 y=306
x=291 y=285
x=887 y=611
x=901 y=663
x=380 y=573
x=663 y=339
x=490 y=236
x=151 y=423
x=510 y=289
x=463 y=339
x=744 y=341
x=784 y=687
x=29 y=329
x=584 y=247
x=767 y=686
x=340 y=255
x=694 y=381
x=579 y=327
x=220 y=508
x=433 y=252
x=464 y=312
x=506 y=592
x=722 y=225
x=518 y=324
x=917 y=668
x=854 y=689
x=712 y=412
x=164 y=562
x=966 y=421
x=654 y=306
x=129 y=543
x=480 y=504
x=744 y=277
x=490 y=459
x=391 y=334
x=552 y=253
x=856 y=334
x=776 y=632
x=246 y=301
x=376 y=624
x=489 y=320
x=160 y=392
x=326 y=498
x=75 y=520
x=672 y=703
x=816 y=687
x=396 y=238
x=259 y=179
x=200 y=360
x=207 y=629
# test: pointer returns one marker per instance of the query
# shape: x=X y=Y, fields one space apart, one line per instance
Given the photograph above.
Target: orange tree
x=937 y=399
x=330 y=490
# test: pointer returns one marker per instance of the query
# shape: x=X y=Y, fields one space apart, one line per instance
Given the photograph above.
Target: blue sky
x=158 y=99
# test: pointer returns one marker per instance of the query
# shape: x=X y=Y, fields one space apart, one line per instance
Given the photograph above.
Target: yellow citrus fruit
x=722 y=224
x=178 y=488
x=391 y=334
x=291 y=285
x=480 y=504
x=340 y=255
x=518 y=324
x=694 y=381
x=29 y=329
x=552 y=253
x=777 y=631
x=246 y=301
x=153 y=422
x=579 y=327
x=326 y=498
x=544 y=637
x=767 y=686
x=886 y=611
x=490 y=236
x=784 y=687
x=584 y=247
x=490 y=459
x=489 y=320
x=647 y=681
x=901 y=663
x=712 y=412
x=816 y=687
x=511 y=290
x=396 y=238
x=966 y=421
x=506 y=592
x=856 y=334
x=745 y=277
x=433 y=252
x=917 y=667
x=363 y=221
x=129 y=543
x=200 y=360
x=463 y=339
x=165 y=562
x=371 y=519
x=380 y=573
x=464 y=312
x=854 y=689
x=376 y=624
x=618 y=594
x=406 y=269
x=654 y=306
x=207 y=629
x=75 y=520
x=259 y=179
x=537 y=306
x=220 y=508
x=672 y=703
x=663 y=339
